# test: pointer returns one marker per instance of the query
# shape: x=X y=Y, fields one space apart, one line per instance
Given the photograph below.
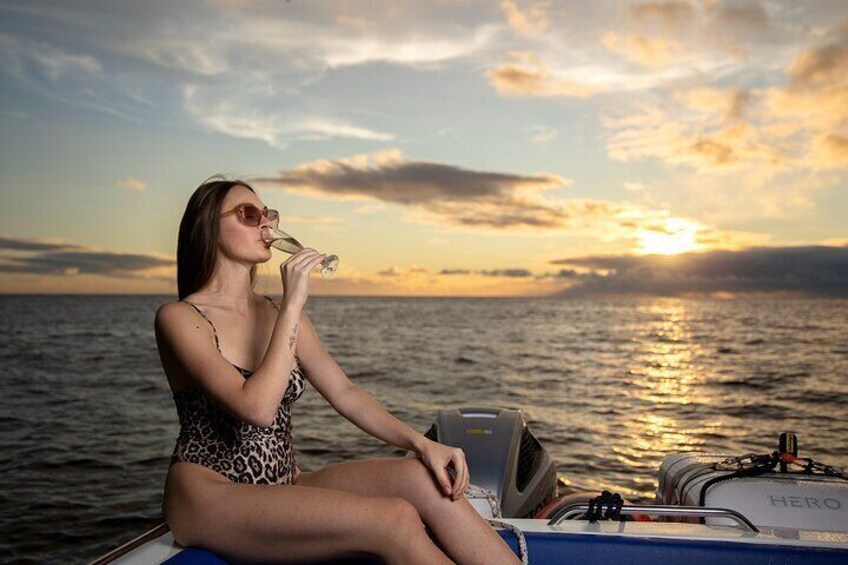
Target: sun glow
x=675 y=236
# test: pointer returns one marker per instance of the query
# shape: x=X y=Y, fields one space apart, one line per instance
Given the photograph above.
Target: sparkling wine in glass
x=286 y=243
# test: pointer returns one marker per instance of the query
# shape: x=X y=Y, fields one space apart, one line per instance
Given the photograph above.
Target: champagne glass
x=286 y=243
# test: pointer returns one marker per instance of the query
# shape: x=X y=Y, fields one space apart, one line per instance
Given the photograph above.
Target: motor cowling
x=503 y=456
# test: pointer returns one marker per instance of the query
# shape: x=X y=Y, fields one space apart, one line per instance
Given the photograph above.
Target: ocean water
x=609 y=385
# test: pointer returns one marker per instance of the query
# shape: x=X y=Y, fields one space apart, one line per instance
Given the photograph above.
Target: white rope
x=475 y=491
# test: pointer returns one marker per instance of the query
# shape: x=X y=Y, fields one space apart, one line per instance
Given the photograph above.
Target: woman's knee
x=422 y=488
x=400 y=525
x=399 y=517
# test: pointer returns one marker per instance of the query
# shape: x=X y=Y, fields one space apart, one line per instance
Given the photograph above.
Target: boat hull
x=601 y=543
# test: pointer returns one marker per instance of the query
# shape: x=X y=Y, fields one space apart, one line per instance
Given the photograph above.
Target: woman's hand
x=295 y=273
x=438 y=457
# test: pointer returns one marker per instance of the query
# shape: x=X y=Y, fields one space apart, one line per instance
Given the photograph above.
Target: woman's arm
x=357 y=405
x=354 y=403
x=266 y=386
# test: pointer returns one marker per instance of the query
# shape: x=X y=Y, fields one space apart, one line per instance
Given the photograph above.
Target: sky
x=442 y=148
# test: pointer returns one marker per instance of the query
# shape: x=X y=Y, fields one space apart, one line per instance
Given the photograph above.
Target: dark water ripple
x=610 y=386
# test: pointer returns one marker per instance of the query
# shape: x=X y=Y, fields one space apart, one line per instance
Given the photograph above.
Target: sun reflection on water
x=664 y=367
x=666 y=380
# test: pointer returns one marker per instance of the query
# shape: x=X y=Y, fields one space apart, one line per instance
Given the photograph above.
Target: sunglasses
x=250 y=215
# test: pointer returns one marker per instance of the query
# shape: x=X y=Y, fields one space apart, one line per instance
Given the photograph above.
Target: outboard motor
x=503 y=456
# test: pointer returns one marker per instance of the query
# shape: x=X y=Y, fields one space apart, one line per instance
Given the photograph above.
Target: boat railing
x=132 y=544
x=574 y=510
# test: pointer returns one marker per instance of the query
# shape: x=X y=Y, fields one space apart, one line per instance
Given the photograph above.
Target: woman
x=233 y=485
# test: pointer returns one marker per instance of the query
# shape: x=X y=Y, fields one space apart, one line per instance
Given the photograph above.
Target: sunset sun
x=673 y=237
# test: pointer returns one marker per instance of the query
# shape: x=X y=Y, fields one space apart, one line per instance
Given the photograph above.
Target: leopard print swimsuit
x=241 y=452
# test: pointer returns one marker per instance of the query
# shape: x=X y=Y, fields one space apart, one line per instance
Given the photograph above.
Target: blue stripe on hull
x=551 y=549
x=558 y=549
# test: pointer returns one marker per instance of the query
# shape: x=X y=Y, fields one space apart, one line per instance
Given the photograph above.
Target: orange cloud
x=675 y=16
x=728 y=103
x=526 y=75
x=668 y=15
x=132 y=184
x=659 y=135
x=645 y=50
x=530 y=23
x=831 y=151
x=824 y=64
x=801 y=125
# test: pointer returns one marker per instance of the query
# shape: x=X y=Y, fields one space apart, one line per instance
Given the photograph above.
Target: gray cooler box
x=772 y=500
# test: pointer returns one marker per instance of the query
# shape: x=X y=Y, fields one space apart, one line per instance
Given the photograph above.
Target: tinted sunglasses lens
x=251 y=215
x=273 y=215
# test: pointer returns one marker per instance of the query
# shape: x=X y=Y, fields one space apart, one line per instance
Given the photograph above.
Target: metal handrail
x=689 y=511
x=125 y=548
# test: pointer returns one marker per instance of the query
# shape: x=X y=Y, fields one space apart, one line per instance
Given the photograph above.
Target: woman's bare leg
x=460 y=530
x=245 y=523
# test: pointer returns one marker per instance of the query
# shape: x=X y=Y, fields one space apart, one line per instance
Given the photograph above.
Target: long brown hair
x=197 y=243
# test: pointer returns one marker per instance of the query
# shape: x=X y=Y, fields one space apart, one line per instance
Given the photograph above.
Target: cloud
x=727 y=104
x=636 y=187
x=57 y=258
x=530 y=23
x=815 y=102
x=23 y=56
x=773 y=147
x=62 y=75
x=507 y=273
x=645 y=50
x=831 y=150
x=131 y=183
x=527 y=75
x=543 y=134
x=813 y=106
x=490 y=203
x=783 y=129
x=247 y=113
x=266 y=40
x=567 y=274
x=144 y=64
x=710 y=146
x=672 y=15
x=399 y=272
x=680 y=16
x=814 y=270
x=439 y=192
x=745 y=16
x=825 y=62
x=387 y=176
x=9 y=243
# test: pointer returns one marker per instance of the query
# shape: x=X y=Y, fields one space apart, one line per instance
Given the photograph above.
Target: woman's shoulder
x=178 y=304
x=180 y=311
x=171 y=311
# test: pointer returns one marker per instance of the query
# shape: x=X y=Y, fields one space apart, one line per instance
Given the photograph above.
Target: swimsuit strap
x=210 y=323
x=274 y=304
x=214 y=331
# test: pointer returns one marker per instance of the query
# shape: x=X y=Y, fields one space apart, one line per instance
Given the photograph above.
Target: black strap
x=607 y=506
x=761 y=464
x=274 y=304
x=214 y=331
